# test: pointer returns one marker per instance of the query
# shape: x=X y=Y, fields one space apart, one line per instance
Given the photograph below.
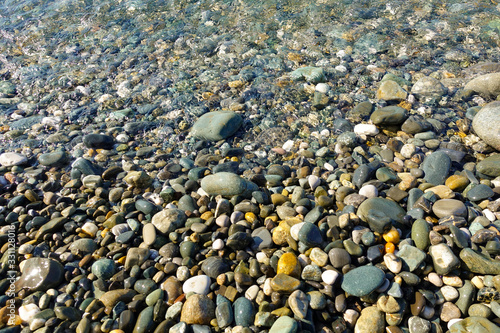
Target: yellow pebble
x=392 y=236
x=289 y=264
x=234 y=159
x=104 y=232
x=285 y=192
x=273 y=218
x=457 y=182
x=122 y=260
x=205 y=216
x=250 y=217
x=117 y=331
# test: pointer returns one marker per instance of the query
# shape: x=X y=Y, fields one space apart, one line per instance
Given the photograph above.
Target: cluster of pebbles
x=286 y=191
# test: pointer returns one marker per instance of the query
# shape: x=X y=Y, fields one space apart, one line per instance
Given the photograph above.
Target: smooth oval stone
x=310 y=235
x=40 y=274
x=145 y=321
x=244 y=312
x=144 y=286
x=11 y=159
x=339 y=257
x=199 y=284
x=214 y=266
x=485 y=123
x=447 y=207
x=67 y=313
x=480 y=192
x=216 y=125
x=98 y=141
x=383 y=207
x=154 y=296
x=284 y=324
x=443 y=258
x=420 y=234
x=436 y=167
x=169 y=220
x=490 y=166
x=227 y=184
x=356 y=283
x=389 y=115
x=149 y=234
x=104 y=268
x=145 y=206
x=54 y=159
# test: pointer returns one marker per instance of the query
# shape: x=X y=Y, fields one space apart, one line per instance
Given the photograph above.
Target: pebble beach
x=249 y=166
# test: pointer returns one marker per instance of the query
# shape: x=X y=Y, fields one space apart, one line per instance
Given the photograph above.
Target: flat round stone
x=447 y=207
x=363 y=280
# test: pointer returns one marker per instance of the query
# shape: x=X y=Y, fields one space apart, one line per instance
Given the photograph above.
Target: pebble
x=198 y=309
x=11 y=159
x=199 y=284
x=356 y=284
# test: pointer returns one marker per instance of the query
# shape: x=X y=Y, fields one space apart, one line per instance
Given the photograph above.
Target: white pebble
x=223 y=221
x=119 y=229
x=369 y=191
x=489 y=215
x=351 y=316
x=303 y=145
x=313 y=181
x=288 y=145
x=90 y=229
x=182 y=273
x=450 y=294
x=218 y=244
x=408 y=150
x=322 y=88
x=341 y=68
x=366 y=129
x=329 y=276
x=262 y=258
x=28 y=311
x=435 y=279
x=199 y=284
x=324 y=133
x=11 y=159
x=26 y=248
x=171 y=206
x=267 y=287
x=328 y=166
x=295 y=229
x=252 y=292
x=37 y=323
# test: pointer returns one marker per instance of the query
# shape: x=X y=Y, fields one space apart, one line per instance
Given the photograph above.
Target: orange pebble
x=392 y=236
x=389 y=247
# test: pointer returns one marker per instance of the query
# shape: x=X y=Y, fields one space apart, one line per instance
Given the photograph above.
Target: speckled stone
x=479 y=263
x=371 y=320
x=198 y=309
x=244 y=313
